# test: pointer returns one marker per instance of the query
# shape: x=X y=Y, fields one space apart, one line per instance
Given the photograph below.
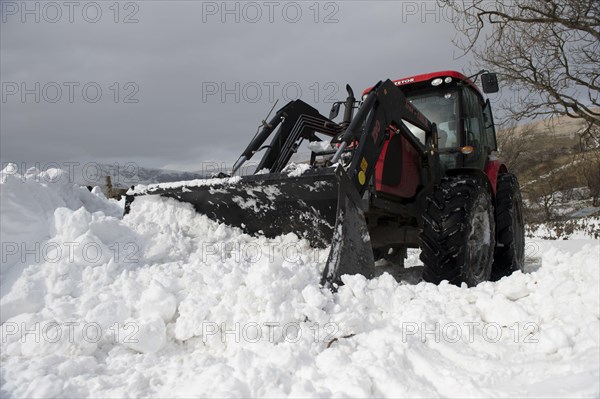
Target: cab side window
x=474 y=130
x=488 y=123
x=473 y=117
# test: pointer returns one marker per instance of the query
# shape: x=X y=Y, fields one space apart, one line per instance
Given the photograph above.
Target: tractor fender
x=492 y=169
x=476 y=172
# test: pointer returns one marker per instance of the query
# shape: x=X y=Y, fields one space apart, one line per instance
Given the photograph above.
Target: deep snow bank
x=32 y=208
x=165 y=302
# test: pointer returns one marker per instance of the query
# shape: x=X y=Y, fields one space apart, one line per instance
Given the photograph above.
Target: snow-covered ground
x=167 y=303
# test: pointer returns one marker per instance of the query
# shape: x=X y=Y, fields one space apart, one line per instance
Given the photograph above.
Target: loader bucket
x=318 y=205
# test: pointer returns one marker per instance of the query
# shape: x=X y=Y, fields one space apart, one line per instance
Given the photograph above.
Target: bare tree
x=545 y=51
x=548 y=191
x=589 y=170
x=518 y=148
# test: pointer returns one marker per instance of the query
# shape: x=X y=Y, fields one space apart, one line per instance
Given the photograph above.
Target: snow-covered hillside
x=166 y=303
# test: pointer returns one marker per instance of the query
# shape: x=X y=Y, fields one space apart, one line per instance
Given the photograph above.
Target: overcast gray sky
x=161 y=67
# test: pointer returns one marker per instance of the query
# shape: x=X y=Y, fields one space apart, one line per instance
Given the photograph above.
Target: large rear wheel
x=457 y=241
x=509 y=255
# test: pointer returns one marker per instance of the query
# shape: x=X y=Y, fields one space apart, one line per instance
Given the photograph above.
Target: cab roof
x=430 y=76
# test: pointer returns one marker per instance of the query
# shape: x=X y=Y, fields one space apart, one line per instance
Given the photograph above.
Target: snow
x=167 y=303
x=122 y=175
x=141 y=189
x=320 y=146
x=573 y=229
x=295 y=170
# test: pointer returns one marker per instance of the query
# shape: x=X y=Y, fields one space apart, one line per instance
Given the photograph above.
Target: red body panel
x=409 y=172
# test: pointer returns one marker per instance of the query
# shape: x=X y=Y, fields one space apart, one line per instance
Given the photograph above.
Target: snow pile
x=165 y=302
x=31 y=206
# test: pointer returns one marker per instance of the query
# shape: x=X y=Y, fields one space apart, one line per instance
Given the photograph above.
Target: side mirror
x=335 y=110
x=489 y=81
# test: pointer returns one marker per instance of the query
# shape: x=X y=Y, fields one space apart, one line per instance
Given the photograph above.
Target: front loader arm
x=385 y=106
x=296 y=121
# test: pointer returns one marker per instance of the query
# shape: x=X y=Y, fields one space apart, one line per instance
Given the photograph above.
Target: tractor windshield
x=440 y=108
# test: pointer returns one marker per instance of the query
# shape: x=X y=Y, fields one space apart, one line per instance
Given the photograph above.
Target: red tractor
x=415 y=167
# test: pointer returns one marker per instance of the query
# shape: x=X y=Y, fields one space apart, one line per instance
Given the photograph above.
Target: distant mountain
x=125 y=175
